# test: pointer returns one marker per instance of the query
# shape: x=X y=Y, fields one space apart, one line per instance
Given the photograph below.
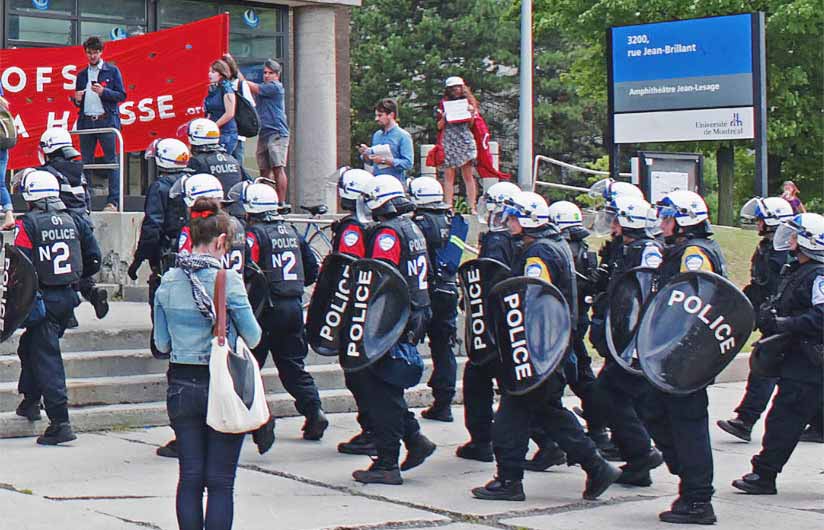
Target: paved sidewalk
x=113 y=480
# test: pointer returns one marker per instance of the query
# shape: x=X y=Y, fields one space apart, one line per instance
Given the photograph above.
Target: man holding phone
x=98 y=91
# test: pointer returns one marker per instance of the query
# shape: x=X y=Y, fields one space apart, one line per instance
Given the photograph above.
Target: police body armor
x=234 y=259
x=73 y=184
x=671 y=266
x=560 y=251
x=340 y=229
x=765 y=272
x=220 y=164
x=280 y=257
x=414 y=261
x=435 y=226
x=498 y=246
x=56 y=250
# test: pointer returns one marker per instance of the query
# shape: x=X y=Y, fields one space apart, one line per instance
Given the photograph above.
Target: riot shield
x=257 y=288
x=18 y=293
x=477 y=277
x=376 y=315
x=328 y=304
x=691 y=330
x=625 y=304
x=532 y=327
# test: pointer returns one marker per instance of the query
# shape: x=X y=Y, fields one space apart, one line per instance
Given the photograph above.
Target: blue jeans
x=238 y=154
x=229 y=140
x=207 y=458
x=88 y=144
x=5 y=198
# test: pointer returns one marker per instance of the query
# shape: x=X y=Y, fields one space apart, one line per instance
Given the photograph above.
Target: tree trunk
x=725 y=164
x=774 y=174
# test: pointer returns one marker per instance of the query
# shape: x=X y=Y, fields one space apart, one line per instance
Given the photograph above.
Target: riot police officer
x=62 y=160
x=62 y=252
x=496 y=243
x=433 y=217
x=765 y=269
x=679 y=424
x=545 y=255
x=798 y=311
x=349 y=237
x=289 y=265
x=209 y=157
x=397 y=241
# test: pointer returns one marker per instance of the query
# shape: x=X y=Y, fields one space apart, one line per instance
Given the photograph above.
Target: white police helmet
x=808 y=229
x=631 y=212
x=39 y=184
x=203 y=131
x=686 y=207
x=608 y=189
x=56 y=138
x=772 y=210
x=259 y=198
x=565 y=214
x=529 y=208
x=353 y=183
x=492 y=204
x=199 y=185
x=384 y=188
x=170 y=153
x=426 y=191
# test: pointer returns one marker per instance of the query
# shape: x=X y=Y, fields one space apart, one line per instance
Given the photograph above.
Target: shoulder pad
x=818 y=290
x=695 y=259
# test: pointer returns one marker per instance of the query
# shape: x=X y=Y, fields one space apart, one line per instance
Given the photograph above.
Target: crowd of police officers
x=533 y=260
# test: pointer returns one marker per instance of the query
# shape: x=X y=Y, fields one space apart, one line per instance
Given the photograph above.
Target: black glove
x=782 y=324
x=599 y=279
x=416 y=327
x=132 y=272
x=766 y=319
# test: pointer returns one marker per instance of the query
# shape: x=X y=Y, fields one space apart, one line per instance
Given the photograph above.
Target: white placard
x=663 y=182
x=685 y=125
x=457 y=111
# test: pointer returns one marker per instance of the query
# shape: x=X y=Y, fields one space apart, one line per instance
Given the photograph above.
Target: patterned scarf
x=194 y=262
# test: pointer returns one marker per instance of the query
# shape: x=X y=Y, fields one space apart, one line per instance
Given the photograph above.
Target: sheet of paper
x=457 y=110
x=384 y=151
x=663 y=182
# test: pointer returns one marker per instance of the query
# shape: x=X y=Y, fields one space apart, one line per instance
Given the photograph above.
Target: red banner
x=164 y=75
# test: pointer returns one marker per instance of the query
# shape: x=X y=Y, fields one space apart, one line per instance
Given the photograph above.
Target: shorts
x=272 y=153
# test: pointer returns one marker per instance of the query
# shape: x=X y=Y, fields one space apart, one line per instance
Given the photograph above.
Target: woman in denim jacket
x=184 y=321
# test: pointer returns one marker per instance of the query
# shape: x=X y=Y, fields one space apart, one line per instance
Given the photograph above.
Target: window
x=43 y=31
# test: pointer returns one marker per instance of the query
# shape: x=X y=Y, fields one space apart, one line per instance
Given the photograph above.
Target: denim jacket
x=181 y=329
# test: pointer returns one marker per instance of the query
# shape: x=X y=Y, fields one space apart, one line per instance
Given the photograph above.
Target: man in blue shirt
x=273 y=140
x=399 y=141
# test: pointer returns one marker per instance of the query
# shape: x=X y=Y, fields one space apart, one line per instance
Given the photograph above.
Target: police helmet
x=169 y=153
x=530 y=209
x=491 y=208
x=565 y=214
x=686 y=207
x=386 y=197
x=259 y=198
x=57 y=140
x=608 y=189
x=38 y=184
x=203 y=131
x=808 y=229
x=772 y=210
x=352 y=184
x=632 y=213
x=427 y=192
x=193 y=187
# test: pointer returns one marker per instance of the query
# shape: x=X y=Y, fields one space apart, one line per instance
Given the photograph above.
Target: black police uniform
x=289 y=265
x=62 y=252
x=214 y=160
x=679 y=424
x=443 y=294
x=765 y=272
x=478 y=391
x=800 y=312
x=618 y=394
x=549 y=258
x=349 y=237
x=399 y=242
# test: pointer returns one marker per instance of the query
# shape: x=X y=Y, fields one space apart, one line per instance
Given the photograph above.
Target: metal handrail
x=121 y=151
x=540 y=158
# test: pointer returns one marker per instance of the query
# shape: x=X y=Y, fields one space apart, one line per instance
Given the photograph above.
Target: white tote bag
x=237 y=403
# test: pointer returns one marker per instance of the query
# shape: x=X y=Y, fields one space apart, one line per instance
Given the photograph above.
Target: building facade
x=309 y=38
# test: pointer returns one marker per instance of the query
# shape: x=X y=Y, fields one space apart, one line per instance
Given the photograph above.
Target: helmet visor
x=497 y=221
x=362 y=212
x=784 y=236
x=176 y=191
x=602 y=226
x=151 y=150
x=653 y=223
x=750 y=211
x=600 y=190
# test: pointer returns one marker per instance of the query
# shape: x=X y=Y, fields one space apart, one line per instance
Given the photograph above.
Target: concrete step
x=93 y=364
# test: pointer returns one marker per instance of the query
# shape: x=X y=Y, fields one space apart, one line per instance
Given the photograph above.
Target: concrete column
x=427 y=171
x=495 y=151
x=315 y=128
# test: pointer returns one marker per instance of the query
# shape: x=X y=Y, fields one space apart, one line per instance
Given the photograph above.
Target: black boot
x=418 y=449
x=756 y=484
x=482 y=452
x=811 y=434
x=383 y=470
x=315 y=425
x=605 y=446
x=500 y=490
x=264 y=437
x=545 y=458
x=71 y=322
x=683 y=512
x=57 y=433
x=360 y=444
x=600 y=476
x=29 y=409
x=438 y=412
x=737 y=427
x=99 y=298
x=169 y=450
x=637 y=472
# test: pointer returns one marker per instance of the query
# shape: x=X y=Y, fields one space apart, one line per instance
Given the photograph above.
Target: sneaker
x=380 y=472
x=545 y=459
x=811 y=435
x=755 y=484
x=637 y=472
x=264 y=437
x=315 y=426
x=500 y=490
x=482 y=452
x=100 y=302
x=438 y=413
x=29 y=409
x=683 y=512
x=110 y=208
x=57 y=433
x=169 y=450
x=418 y=449
x=599 y=479
x=360 y=444
x=737 y=427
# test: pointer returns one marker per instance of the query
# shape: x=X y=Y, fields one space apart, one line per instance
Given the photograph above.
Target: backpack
x=246 y=117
